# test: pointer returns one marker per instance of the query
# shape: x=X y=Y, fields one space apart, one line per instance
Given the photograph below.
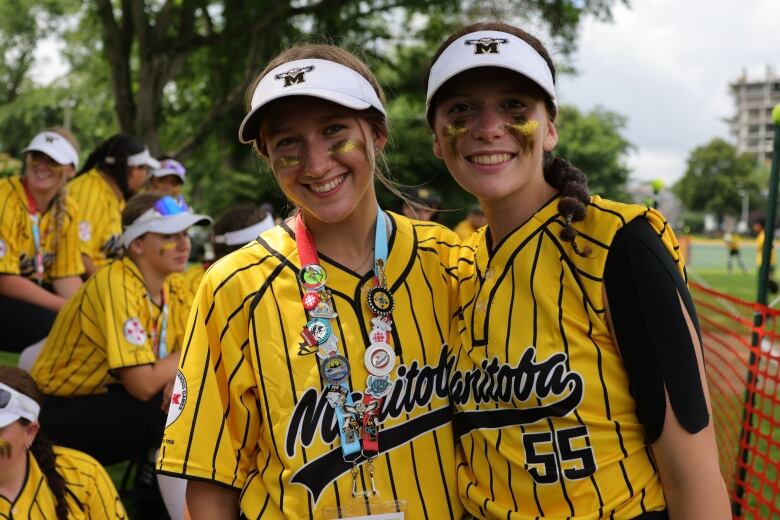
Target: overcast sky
x=666 y=65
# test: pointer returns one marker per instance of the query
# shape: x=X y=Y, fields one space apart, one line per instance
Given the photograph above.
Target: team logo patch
x=85 y=231
x=134 y=332
x=486 y=45
x=3 y=248
x=294 y=76
x=178 y=398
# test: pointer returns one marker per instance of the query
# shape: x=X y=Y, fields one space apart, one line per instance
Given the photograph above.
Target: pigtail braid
x=44 y=454
x=572 y=185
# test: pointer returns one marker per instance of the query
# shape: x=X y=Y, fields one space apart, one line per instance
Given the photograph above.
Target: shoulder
x=424 y=233
x=12 y=190
x=70 y=458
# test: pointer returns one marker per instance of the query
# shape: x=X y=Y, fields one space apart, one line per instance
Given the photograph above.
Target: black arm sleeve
x=642 y=285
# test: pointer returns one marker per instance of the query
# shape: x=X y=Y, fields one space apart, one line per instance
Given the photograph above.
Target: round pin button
x=378 y=386
x=335 y=369
x=320 y=328
x=380 y=301
x=379 y=359
x=312 y=276
x=377 y=336
x=310 y=300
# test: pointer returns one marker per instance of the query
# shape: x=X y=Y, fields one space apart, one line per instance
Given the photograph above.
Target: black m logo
x=294 y=76
x=486 y=45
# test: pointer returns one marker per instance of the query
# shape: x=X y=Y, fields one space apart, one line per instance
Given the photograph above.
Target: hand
x=166 y=395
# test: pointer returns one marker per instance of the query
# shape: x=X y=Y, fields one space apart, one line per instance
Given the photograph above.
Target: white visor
x=490 y=49
x=16 y=406
x=143 y=158
x=310 y=77
x=55 y=146
x=246 y=235
x=170 y=167
x=153 y=222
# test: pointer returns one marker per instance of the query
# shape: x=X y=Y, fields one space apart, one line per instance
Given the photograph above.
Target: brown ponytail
x=573 y=187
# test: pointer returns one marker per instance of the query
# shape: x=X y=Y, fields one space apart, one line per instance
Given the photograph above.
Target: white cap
x=55 y=146
x=170 y=167
x=490 y=49
x=155 y=221
x=15 y=405
x=245 y=235
x=309 y=77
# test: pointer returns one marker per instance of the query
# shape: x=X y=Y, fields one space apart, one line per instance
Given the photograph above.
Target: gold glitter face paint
x=5 y=449
x=167 y=247
x=347 y=146
x=454 y=131
x=524 y=131
x=287 y=161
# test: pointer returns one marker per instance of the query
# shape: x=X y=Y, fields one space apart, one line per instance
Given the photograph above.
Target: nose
x=183 y=241
x=490 y=125
x=317 y=159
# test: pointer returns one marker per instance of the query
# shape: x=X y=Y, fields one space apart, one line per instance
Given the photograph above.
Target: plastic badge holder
x=356 y=509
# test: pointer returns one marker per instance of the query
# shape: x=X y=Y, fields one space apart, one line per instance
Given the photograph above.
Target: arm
x=20 y=288
x=67 y=287
x=89 y=266
x=206 y=500
x=145 y=381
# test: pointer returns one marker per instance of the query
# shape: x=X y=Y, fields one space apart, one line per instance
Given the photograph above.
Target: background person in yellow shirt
x=40 y=264
x=39 y=481
x=115 y=171
x=474 y=220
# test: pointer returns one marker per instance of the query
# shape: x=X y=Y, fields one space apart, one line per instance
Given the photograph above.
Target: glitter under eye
x=454 y=131
x=524 y=129
x=346 y=147
x=287 y=161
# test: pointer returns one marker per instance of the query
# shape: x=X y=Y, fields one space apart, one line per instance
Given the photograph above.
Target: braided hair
x=110 y=157
x=571 y=183
x=41 y=447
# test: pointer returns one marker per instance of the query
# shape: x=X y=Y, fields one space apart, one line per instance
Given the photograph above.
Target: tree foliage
x=714 y=176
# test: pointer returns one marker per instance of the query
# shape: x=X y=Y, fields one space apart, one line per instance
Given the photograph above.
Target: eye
x=285 y=141
x=334 y=128
x=513 y=103
x=459 y=108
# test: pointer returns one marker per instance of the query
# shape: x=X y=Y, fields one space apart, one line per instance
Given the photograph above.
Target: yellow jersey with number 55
x=547 y=425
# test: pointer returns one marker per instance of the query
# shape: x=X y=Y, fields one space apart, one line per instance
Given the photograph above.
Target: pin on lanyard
x=35 y=220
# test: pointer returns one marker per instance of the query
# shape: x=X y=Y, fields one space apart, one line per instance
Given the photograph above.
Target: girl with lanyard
x=115 y=171
x=40 y=265
x=579 y=384
x=313 y=379
x=39 y=481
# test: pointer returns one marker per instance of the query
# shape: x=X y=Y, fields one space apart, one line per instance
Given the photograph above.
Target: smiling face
x=44 y=175
x=491 y=129
x=321 y=155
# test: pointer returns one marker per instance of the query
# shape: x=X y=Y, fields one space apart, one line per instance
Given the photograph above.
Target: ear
x=137 y=246
x=31 y=430
x=380 y=140
x=437 y=147
x=550 y=137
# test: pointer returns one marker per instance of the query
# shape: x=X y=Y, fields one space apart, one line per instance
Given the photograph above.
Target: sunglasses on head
x=5 y=397
x=168 y=206
x=40 y=157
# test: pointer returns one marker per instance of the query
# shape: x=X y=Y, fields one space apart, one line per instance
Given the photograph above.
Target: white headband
x=142 y=158
x=55 y=146
x=153 y=222
x=310 y=77
x=490 y=49
x=18 y=406
x=246 y=235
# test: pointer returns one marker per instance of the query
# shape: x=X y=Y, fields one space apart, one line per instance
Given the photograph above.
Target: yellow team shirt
x=547 y=425
x=100 y=224
x=760 y=251
x=61 y=257
x=248 y=410
x=464 y=229
x=193 y=275
x=108 y=324
x=90 y=493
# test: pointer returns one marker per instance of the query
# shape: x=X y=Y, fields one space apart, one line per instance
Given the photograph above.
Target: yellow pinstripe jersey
x=251 y=412
x=100 y=210
x=90 y=492
x=546 y=422
x=61 y=256
x=193 y=275
x=107 y=325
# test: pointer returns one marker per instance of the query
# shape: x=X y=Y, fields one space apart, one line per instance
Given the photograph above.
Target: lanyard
x=35 y=220
x=358 y=421
x=160 y=332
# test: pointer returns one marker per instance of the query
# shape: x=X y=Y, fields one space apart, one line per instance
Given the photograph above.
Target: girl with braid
x=38 y=480
x=40 y=264
x=578 y=378
x=115 y=171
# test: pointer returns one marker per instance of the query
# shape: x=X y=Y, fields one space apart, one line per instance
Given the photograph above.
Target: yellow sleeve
x=125 y=318
x=213 y=421
x=10 y=239
x=67 y=257
x=101 y=497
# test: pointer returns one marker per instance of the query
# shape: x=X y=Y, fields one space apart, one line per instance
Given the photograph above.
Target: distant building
x=752 y=124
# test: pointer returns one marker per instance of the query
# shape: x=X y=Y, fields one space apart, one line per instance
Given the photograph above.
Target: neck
x=42 y=198
x=507 y=214
x=153 y=279
x=350 y=242
x=111 y=182
x=12 y=477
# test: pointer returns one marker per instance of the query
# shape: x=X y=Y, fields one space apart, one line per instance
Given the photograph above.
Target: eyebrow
x=273 y=128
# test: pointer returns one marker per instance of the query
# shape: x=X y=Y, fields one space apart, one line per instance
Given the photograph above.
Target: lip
x=330 y=192
x=497 y=166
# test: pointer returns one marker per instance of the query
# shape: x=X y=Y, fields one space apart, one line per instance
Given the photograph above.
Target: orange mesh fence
x=743 y=383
